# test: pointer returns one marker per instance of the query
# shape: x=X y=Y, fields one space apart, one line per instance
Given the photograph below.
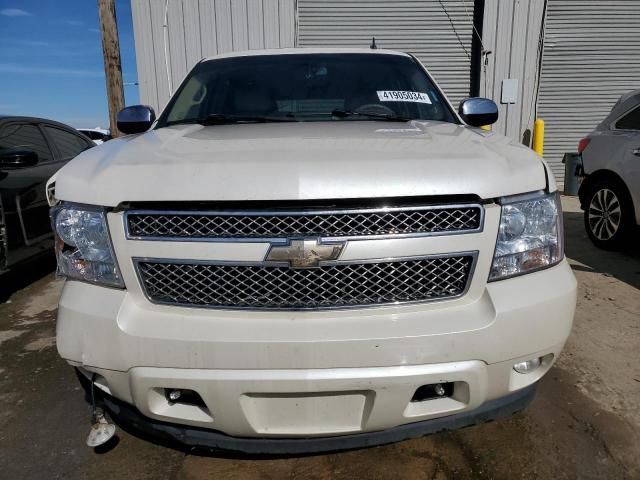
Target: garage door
x=591 y=57
x=438 y=32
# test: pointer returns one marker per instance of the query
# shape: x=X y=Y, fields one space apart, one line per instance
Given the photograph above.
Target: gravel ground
x=584 y=422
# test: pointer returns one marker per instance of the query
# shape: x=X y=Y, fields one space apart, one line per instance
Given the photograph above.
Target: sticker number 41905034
x=403 y=96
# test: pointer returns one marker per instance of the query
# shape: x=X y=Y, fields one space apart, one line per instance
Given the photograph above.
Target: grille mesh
x=304 y=224
x=282 y=288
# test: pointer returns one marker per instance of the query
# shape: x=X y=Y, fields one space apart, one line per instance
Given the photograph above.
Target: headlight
x=83 y=246
x=530 y=235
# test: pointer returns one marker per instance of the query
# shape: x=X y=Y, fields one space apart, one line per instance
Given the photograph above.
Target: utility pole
x=112 y=65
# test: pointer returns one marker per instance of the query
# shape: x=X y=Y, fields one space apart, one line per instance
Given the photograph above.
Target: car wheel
x=608 y=217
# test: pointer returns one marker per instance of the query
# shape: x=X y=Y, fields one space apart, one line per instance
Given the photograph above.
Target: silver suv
x=610 y=191
x=310 y=250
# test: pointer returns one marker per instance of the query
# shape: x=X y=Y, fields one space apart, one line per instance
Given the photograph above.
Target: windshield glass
x=307 y=87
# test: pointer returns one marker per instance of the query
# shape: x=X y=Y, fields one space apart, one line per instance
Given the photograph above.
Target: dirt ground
x=584 y=422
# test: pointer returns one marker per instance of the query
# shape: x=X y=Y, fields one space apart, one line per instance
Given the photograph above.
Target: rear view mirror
x=478 y=111
x=135 y=119
x=15 y=159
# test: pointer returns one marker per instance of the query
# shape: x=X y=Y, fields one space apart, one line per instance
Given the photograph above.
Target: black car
x=31 y=151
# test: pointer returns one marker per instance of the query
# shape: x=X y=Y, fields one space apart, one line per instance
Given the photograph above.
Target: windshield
x=307 y=87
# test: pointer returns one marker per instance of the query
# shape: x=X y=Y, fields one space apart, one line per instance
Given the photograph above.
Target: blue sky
x=51 y=60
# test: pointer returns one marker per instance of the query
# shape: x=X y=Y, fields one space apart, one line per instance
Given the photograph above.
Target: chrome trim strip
x=522 y=197
x=281 y=213
x=473 y=254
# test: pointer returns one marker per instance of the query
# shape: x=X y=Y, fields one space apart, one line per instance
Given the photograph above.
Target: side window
x=23 y=136
x=92 y=135
x=189 y=104
x=68 y=144
x=631 y=121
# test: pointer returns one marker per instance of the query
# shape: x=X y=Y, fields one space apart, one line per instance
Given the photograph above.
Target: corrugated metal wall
x=438 y=32
x=202 y=28
x=512 y=31
x=591 y=57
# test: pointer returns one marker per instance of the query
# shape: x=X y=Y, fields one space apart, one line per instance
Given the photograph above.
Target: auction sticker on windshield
x=403 y=96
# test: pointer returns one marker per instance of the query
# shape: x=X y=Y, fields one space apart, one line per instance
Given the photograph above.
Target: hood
x=305 y=160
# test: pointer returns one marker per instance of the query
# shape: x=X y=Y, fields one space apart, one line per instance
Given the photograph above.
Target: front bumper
x=317 y=374
x=195 y=437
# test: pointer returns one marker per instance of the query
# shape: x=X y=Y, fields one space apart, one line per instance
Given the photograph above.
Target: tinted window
x=92 y=135
x=68 y=144
x=308 y=87
x=631 y=121
x=25 y=137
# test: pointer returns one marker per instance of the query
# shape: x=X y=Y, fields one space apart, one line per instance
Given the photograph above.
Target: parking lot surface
x=584 y=422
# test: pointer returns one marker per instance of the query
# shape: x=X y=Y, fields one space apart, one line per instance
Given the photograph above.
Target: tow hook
x=102 y=430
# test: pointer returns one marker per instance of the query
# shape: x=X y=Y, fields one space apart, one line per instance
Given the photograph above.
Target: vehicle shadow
x=26 y=274
x=623 y=265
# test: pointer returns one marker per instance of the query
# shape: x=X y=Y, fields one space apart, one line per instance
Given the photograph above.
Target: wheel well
x=596 y=176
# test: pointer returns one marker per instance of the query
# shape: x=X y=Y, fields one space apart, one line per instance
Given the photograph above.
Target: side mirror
x=15 y=159
x=135 y=119
x=477 y=111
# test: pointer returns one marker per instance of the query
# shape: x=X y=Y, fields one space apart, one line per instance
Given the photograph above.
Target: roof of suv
x=290 y=51
x=21 y=118
x=625 y=103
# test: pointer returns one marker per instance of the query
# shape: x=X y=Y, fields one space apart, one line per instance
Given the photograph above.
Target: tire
x=608 y=214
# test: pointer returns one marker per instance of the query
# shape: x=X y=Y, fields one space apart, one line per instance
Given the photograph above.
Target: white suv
x=310 y=250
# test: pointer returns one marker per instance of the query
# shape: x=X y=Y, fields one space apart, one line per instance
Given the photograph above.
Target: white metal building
x=565 y=61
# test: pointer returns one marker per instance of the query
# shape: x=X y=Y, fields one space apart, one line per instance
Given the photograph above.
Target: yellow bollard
x=538 y=136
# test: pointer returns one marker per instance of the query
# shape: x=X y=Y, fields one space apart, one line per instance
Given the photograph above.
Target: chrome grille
x=308 y=223
x=339 y=284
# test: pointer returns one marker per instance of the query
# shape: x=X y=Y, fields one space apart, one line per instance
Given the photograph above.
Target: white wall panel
x=512 y=32
x=144 y=54
x=202 y=28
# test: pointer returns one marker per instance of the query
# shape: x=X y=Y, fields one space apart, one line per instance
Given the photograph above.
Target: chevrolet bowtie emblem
x=304 y=253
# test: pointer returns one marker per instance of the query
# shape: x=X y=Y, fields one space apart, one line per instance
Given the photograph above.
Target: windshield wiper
x=375 y=116
x=226 y=119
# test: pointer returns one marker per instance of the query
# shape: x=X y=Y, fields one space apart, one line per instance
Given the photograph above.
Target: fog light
x=183 y=396
x=433 y=390
x=528 y=366
x=174 y=395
